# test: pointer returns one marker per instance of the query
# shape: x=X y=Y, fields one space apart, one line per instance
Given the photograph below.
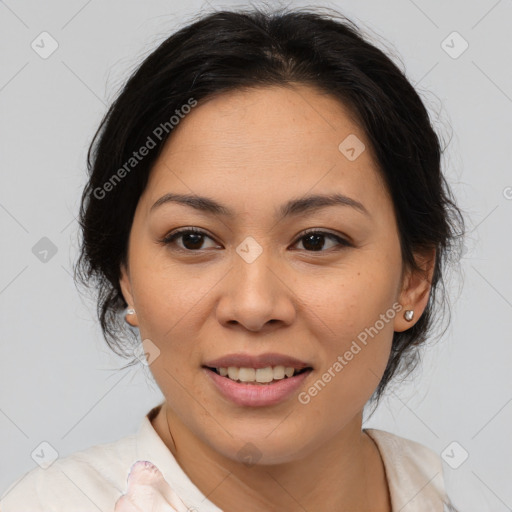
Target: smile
x=262 y=376
x=251 y=393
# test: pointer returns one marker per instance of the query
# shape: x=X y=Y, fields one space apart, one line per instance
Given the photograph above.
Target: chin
x=262 y=446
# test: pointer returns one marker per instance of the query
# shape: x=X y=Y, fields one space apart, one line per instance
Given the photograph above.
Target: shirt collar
x=151 y=447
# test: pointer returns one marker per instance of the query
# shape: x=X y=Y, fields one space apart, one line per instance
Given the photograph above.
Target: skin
x=252 y=151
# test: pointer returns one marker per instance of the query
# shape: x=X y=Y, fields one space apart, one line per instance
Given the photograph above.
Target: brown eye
x=313 y=241
x=192 y=239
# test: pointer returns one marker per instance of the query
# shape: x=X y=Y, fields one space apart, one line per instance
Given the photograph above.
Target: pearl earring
x=409 y=315
x=128 y=312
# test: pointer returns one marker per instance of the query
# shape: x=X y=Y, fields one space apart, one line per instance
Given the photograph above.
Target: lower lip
x=257 y=395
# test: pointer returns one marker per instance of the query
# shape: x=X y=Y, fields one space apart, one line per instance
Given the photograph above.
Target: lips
x=257 y=380
x=251 y=394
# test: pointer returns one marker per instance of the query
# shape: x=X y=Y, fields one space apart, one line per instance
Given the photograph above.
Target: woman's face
x=253 y=283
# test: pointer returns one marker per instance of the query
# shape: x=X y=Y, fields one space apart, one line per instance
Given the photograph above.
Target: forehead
x=269 y=142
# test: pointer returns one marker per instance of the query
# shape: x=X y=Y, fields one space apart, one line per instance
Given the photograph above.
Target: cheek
x=166 y=309
x=348 y=301
x=354 y=318
x=167 y=296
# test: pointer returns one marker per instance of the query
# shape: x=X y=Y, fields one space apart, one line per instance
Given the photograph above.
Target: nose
x=256 y=295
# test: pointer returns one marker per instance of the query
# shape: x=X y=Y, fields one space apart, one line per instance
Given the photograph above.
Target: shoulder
x=414 y=473
x=405 y=451
x=94 y=475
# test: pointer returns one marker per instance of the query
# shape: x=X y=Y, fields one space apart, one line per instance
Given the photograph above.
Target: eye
x=192 y=239
x=315 y=239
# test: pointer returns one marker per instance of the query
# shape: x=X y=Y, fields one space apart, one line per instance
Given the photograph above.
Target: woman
x=266 y=210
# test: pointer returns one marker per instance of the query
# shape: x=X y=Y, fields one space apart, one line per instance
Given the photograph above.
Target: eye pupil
x=316 y=246
x=196 y=240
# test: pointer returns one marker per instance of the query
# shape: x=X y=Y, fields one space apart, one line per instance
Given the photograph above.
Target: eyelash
x=171 y=238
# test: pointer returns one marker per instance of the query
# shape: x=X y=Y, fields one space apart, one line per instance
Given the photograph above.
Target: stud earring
x=409 y=315
x=128 y=313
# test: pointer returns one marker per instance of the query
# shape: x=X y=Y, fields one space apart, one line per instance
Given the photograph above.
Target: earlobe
x=130 y=314
x=415 y=291
x=130 y=317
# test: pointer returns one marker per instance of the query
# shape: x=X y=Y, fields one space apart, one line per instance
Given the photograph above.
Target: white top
x=93 y=479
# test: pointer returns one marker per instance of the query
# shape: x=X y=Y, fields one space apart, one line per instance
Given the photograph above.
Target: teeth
x=260 y=375
x=233 y=373
x=279 y=372
x=264 y=374
x=247 y=374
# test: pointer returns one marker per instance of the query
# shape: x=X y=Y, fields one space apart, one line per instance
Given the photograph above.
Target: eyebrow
x=294 y=207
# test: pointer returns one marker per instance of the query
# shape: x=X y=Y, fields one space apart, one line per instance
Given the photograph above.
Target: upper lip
x=257 y=361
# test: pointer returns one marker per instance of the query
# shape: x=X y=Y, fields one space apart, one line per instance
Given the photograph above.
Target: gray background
x=58 y=381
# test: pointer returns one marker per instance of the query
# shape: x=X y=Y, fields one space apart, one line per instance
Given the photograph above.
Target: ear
x=126 y=289
x=415 y=289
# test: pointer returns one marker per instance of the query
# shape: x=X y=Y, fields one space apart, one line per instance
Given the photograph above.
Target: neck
x=345 y=473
